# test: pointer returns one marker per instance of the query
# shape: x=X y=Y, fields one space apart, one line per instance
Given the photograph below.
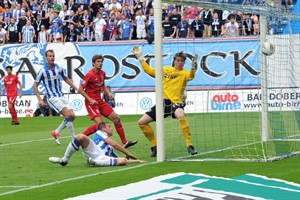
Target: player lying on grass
x=174 y=83
x=99 y=151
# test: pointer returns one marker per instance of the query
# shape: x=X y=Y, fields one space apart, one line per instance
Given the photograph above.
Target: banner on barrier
x=197 y=102
x=221 y=63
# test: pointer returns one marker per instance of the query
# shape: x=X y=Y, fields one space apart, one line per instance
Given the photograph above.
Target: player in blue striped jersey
x=99 y=151
x=51 y=75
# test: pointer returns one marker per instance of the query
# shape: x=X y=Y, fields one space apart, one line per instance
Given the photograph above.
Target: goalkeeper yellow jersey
x=174 y=81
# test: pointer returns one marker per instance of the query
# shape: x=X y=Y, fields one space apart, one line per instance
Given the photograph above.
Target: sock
x=70 y=126
x=71 y=149
x=90 y=130
x=149 y=133
x=13 y=114
x=61 y=127
x=185 y=129
x=120 y=131
x=11 y=111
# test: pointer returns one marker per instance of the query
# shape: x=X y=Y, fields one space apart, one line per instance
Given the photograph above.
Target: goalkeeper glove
x=138 y=52
x=194 y=62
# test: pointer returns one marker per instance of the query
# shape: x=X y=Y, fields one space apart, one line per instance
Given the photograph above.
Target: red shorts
x=97 y=110
x=11 y=99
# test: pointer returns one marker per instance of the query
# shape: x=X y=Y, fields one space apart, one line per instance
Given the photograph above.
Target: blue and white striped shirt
x=51 y=79
x=99 y=139
x=28 y=32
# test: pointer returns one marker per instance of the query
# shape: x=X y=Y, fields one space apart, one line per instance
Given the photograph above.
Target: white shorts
x=190 y=21
x=140 y=33
x=93 y=151
x=58 y=103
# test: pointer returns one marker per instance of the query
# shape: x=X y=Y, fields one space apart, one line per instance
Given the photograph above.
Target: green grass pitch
x=26 y=173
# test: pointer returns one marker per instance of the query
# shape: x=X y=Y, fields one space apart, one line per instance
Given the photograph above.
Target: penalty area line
x=75 y=178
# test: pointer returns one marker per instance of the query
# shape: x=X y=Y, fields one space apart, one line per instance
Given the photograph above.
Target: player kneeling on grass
x=99 y=151
x=174 y=84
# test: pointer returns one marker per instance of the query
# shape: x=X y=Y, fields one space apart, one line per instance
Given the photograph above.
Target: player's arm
x=193 y=67
x=37 y=94
x=38 y=79
x=117 y=146
x=85 y=95
x=20 y=87
x=135 y=161
x=107 y=92
x=138 y=53
x=70 y=83
x=3 y=89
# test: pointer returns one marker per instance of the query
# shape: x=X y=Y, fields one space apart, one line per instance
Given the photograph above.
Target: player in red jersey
x=92 y=85
x=11 y=83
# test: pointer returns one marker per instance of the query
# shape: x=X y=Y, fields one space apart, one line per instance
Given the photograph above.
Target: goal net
x=246 y=106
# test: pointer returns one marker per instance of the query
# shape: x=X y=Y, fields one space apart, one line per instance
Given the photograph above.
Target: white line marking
x=29 y=141
x=75 y=178
x=14 y=186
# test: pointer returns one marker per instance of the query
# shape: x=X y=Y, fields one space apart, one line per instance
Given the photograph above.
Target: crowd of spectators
x=45 y=21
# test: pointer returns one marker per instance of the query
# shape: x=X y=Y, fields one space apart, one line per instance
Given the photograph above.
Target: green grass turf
x=24 y=162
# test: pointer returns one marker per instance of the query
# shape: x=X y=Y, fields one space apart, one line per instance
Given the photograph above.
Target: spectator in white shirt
x=114 y=4
x=140 y=25
x=99 y=23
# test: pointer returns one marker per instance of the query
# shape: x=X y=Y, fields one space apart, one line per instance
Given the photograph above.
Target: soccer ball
x=267 y=48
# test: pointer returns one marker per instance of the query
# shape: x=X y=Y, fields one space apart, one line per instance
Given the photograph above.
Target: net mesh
x=226 y=119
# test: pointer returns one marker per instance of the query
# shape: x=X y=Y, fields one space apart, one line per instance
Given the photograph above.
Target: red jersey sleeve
x=85 y=80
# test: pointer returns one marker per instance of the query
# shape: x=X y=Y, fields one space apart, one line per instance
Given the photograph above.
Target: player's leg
x=184 y=126
x=56 y=105
x=90 y=130
x=55 y=133
x=69 y=116
x=107 y=111
x=11 y=107
x=147 y=129
x=102 y=161
x=74 y=145
x=94 y=155
x=93 y=111
x=62 y=106
x=143 y=123
x=120 y=130
x=67 y=111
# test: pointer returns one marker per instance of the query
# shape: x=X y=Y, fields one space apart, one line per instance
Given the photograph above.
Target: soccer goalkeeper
x=174 y=83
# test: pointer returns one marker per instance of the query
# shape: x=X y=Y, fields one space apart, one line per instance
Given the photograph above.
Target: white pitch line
x=75 y=178
x=29 y=141
x=14 y=186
